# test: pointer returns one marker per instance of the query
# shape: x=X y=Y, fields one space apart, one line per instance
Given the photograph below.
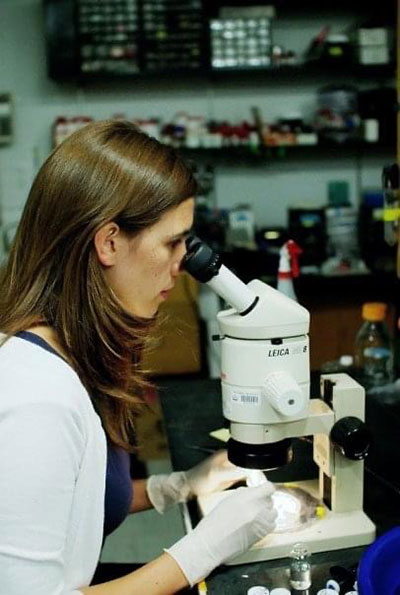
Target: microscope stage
x=333 y=532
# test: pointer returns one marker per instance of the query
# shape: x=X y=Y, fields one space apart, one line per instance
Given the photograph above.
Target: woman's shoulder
x=29 y=373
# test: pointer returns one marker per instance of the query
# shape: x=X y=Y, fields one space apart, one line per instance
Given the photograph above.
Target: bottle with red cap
x=288 y=268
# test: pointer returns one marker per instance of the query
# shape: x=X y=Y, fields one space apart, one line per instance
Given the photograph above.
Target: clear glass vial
x=300 y=567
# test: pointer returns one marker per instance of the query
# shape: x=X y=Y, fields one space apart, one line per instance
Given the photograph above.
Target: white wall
x=270 y=188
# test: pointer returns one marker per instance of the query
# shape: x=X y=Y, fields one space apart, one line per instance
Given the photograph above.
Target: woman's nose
x=176 y=268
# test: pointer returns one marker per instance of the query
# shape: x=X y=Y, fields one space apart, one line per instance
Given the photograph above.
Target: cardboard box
x=176 y=348
x=150 y=432
x=373 y=54
x=372 y=36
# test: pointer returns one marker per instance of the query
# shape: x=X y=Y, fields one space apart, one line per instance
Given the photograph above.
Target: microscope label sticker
x=245 y=399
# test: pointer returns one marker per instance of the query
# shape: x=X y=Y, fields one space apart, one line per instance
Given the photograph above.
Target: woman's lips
x=165 y=293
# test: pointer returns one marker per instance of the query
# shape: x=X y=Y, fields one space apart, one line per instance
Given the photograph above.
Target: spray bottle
x=288 y=268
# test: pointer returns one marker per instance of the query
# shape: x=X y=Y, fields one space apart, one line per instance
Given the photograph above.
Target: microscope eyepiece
x=200 y=260
x=206 y=266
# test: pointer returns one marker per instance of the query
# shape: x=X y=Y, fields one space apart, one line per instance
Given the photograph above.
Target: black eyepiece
x=200 y=260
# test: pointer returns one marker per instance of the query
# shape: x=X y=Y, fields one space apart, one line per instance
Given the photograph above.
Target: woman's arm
x=238 y=521
x=140 y=499
x=162 y=576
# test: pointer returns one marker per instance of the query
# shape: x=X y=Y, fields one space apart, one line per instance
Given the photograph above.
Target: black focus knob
x=351 y=437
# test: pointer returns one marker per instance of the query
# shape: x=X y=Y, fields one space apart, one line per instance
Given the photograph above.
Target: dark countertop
x=192 y=408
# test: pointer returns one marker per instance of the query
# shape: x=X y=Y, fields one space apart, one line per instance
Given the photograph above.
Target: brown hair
x=107 y=171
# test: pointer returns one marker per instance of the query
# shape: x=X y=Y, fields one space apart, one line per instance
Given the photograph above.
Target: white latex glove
x=166 y=490
x=214 y=474
x=237 y=522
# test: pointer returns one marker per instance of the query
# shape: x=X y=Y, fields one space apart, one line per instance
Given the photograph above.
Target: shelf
x=308 y=70
x=265 y=154
x=266 y=75
x=384 y=12
x=65 y=36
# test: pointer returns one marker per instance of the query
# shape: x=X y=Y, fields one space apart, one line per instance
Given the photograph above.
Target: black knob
x=217 y=337
x=351 y=437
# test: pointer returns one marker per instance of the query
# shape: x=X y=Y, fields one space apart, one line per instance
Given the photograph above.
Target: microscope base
x=333 y=532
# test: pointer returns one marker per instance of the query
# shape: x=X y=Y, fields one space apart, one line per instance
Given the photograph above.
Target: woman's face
x=147 y=265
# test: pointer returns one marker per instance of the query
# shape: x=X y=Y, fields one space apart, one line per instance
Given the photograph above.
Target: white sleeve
x=41 y=447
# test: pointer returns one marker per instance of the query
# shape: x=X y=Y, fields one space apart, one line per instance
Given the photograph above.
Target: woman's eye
x=175 y=243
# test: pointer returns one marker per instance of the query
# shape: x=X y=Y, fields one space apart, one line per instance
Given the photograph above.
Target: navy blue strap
x=36 y=340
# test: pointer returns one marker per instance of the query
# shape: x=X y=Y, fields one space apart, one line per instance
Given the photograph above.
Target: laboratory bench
x=192 y=408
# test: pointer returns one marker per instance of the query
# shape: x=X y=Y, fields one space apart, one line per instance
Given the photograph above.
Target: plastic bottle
x=373 y=348
x=288 y=268
x=300 y=567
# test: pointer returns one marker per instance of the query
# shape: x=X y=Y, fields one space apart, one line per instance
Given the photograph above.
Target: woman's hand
x=213 y=474
x=237 y=522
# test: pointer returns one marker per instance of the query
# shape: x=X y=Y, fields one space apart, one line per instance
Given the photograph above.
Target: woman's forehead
x=177 y=219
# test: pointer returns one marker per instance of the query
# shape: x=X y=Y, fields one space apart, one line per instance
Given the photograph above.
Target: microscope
x=265 y=381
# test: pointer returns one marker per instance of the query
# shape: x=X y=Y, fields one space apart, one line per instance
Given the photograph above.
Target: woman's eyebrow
x=181 y=234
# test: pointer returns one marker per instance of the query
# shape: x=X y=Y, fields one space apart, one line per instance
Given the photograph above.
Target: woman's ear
x=106 y=243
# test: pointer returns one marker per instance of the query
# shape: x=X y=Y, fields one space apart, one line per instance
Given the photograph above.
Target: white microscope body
x=265 y=370
x=265 y=379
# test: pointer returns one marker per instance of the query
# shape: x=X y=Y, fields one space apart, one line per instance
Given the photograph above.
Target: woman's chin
x=148 y=313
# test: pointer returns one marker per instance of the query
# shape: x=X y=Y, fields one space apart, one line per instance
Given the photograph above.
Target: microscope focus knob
x=351 y=437
x=284 y=394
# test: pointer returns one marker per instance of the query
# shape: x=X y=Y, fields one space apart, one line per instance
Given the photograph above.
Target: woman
x=98 y=248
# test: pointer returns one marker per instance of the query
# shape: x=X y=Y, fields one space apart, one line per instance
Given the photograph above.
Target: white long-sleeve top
x=52 y=475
